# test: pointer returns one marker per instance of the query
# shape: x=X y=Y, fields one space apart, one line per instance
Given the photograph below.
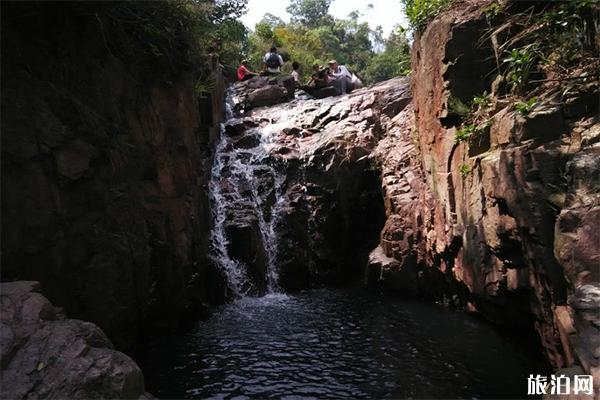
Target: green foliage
x=393 y=61
x=464 y=170
x=465 y=132
x=520 y=63
x=232 y=36
x=457 y=107
x=570 y=26
x=170 y=35
x=493 y=9
x=526 y=107
x=349 y=41
x=223 y=10
x=385 y=66
x=204 y=84
x=559 y=37
x=310 y=13
x=481 y=102
x=420 y=12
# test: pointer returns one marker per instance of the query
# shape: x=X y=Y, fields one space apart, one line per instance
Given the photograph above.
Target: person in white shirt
x=341 y=78
x=273 y=62
x=296 y=72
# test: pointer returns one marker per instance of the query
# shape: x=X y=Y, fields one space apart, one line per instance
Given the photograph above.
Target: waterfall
x=242 y=183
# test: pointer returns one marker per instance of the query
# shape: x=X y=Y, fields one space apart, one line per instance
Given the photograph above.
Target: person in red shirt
x=243 y=73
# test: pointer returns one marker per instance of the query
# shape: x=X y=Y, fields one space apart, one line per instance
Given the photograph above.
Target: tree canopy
x=314 y=36
x=310 y=13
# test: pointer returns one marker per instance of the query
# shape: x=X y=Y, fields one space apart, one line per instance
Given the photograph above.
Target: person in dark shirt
x=319 y=85
x=272 y=62
x=319 y=78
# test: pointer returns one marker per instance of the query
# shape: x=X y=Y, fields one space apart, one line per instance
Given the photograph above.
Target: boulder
x=267 y=96
x=387 y=272
x=45 y=355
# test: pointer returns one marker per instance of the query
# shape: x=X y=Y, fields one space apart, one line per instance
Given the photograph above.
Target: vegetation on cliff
x=314 y=36
x=538 y=49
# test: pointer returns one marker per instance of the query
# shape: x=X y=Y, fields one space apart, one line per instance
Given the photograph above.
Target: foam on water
x=234 y=169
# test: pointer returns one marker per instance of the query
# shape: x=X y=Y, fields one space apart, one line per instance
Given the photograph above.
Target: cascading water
x=328 y=343
x=243 y=182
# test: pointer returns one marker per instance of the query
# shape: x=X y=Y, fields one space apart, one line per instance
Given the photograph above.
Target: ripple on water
x=338 y=344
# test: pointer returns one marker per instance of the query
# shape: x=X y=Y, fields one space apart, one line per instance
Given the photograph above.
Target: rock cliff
x=104 y=166
x=503 y=224
x=515 y=212
x=319 y=183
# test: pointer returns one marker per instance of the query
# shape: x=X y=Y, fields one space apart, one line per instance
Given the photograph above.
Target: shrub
x=520 y=63
x=464 y=133
x=464 y=170
x=420 y=12
x=481 y=102
x=525 y=107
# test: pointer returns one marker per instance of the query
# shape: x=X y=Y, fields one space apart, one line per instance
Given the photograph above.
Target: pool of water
x=338 y=344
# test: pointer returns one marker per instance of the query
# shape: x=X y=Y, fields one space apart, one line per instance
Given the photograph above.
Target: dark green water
x=339 y=344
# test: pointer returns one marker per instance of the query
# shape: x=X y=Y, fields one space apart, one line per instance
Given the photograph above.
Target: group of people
x=335 y=76
x=272 y=63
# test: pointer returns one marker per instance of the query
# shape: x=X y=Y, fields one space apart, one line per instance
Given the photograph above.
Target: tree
x=310 y=13
x=226 y=9
x=393 y=61
x=272 y=20
x=315 y=37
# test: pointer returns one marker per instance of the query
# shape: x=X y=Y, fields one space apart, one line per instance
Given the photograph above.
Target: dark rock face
x=45 y=355
x=102 y=176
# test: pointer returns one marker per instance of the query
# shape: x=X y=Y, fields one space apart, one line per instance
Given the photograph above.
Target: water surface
x=338 y=344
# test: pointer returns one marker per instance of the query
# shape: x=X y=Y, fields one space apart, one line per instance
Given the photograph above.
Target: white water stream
x=242 y=182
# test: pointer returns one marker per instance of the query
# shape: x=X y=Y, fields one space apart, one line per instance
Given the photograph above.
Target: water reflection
x=338 y=344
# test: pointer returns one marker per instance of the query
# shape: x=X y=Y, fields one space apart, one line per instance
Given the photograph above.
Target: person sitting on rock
x=243 y=73
x=319 y=79
x=272 y=62
x=318 y=86
x=296 y=72
x=341 y=78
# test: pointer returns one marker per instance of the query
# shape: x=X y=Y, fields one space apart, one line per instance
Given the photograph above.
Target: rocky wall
x=104 y=168
x=330 y=208
x=508 y=222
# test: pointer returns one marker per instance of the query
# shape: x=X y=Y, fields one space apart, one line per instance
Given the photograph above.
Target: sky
x=386 y=13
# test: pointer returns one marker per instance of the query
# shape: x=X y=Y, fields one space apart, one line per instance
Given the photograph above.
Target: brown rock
x=62 y=358
x=267 y=96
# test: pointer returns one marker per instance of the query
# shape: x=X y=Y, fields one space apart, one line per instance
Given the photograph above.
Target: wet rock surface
x=45 y=355
x=331 y=205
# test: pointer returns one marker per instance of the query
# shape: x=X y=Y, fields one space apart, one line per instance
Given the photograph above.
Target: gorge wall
x=105 y=158
x=506 y=221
